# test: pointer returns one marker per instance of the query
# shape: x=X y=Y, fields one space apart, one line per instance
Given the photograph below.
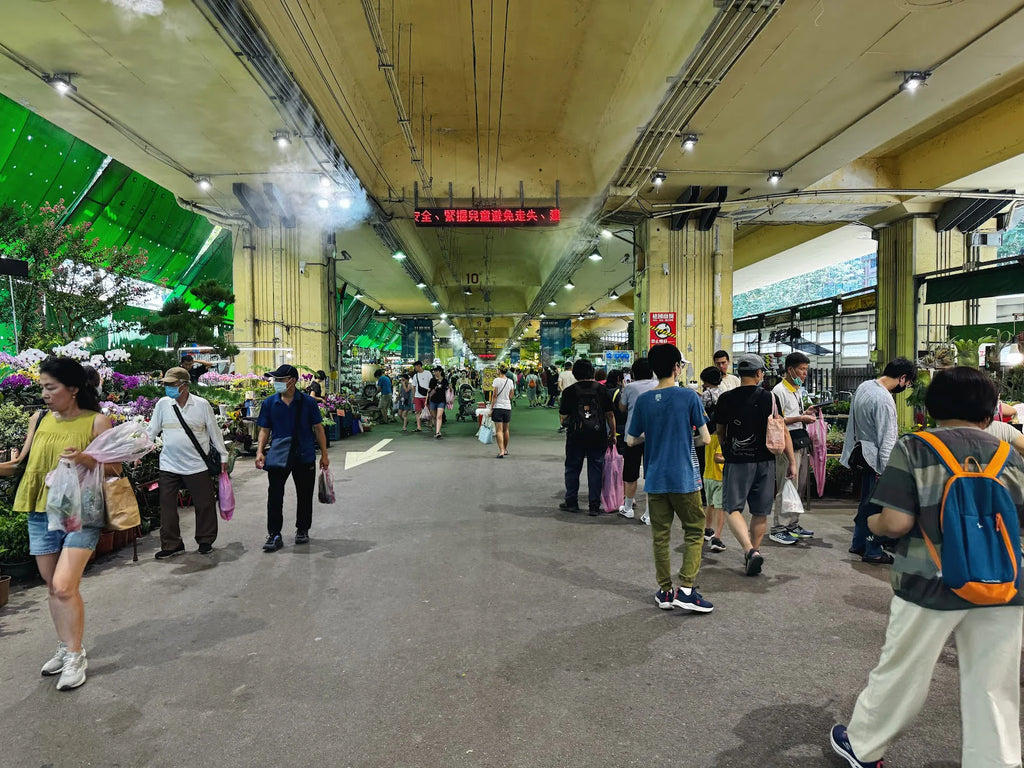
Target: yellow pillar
x=690 y=273
x=284 y=285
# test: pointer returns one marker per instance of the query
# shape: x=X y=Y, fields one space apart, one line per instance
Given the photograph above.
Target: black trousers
x=576 y=450
x=304 y=477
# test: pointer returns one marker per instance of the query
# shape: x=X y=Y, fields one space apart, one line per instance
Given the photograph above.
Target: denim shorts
x=501 y=415
x=44 y=542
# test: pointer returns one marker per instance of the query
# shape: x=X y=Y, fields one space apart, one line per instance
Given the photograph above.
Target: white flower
x=29 y=357
x=117 y=355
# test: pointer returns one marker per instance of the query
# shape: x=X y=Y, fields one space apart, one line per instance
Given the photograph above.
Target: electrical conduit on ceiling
x=733 y=29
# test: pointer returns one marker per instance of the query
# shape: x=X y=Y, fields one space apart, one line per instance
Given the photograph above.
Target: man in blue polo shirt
x=292 y=419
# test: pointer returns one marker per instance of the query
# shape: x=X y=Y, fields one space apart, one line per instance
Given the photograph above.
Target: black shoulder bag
x=212 y=457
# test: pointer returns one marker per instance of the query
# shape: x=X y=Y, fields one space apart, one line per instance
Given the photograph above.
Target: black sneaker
x=163 y=554
x=205 y=549
x=717 y=545
x=754 y=561
x=273 y=543
x=594 y=511
x=566 y=507
x=302 y=537
x=709 y=534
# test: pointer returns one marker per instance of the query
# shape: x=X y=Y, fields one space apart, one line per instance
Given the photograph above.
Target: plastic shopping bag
x=612 y=492
x=90 y=484
x=486 y=435
x=326 y=487
x=64 y=499
x=225 y=496
x=791 y=504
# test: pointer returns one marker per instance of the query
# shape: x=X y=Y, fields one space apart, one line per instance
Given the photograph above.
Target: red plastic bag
x=226 y=497
x=612 y=492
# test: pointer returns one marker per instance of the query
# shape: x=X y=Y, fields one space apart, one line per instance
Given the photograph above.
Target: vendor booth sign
x=555 y=335
x=663 y=328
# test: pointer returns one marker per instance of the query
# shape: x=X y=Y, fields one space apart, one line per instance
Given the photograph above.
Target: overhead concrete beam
x=767 y=241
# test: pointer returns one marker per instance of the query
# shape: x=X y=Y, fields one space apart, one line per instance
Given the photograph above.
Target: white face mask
x=280 y=386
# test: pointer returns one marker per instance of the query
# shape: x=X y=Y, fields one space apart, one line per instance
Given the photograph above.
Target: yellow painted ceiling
x=543 y=96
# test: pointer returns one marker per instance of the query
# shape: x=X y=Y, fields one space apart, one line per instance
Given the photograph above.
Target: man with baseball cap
x=184 y=420
x=290 y=420
x=748 y=478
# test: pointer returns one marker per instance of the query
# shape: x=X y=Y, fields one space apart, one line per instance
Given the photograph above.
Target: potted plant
x=14 y=557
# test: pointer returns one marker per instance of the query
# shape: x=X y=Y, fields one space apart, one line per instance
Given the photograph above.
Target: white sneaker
x=645 y=519
x=73 y=674
x=56 y=664
x=626 y=514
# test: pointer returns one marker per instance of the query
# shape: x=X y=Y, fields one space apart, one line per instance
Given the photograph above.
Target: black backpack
x=589 y=421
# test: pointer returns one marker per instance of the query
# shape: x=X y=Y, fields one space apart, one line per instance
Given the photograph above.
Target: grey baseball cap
x=749 y=364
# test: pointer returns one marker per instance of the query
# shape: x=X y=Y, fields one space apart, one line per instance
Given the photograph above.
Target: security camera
x=302 y=267
x=487 y=318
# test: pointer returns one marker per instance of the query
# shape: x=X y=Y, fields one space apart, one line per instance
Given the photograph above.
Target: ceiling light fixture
x=398 y=255
x=444 y=316
x=421 y=285
x=392 y=318
x=435 y=303
x=658 y=178
x=542 y=315
x=613 y=295
x=468 y=291
x=595 y=256
x=282 y=138
x=61 y=82
x=323 y=202
x=204 y=183
x=607 y=234
x=325 y=180
x=914 y=80
x=345 y=203
x=552 y=303
x=382 y=311
x=689 y=141
x=774 y=177
x=358 y=295
x=592 y=310
x=569 y=286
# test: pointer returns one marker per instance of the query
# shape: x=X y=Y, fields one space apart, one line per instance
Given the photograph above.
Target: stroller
x=466 y=398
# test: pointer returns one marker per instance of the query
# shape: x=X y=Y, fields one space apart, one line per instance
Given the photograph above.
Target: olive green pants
x=663 y=509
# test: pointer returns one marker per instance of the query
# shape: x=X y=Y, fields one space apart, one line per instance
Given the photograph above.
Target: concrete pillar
x=285 y=297
x=690 y=273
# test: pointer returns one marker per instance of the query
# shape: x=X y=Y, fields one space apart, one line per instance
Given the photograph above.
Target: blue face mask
x=797 y=381
x=172 y=392
x=280 y=386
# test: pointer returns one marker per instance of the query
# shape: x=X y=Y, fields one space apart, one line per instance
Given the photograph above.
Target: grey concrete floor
x=446 y=614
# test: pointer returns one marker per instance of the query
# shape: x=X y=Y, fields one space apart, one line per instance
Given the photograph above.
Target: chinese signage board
x=663 y=328
x=487 y=217
x=555 y=336
x=618 y=358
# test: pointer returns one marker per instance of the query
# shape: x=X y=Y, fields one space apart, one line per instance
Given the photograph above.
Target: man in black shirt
x=748 y=477
x=587 y=415
x=195 y=368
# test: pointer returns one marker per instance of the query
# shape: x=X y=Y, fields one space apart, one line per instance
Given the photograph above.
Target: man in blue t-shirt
x=386 y=395
x=664 y=419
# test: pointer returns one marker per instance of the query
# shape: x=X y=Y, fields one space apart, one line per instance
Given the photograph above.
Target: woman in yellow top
x=65 y=429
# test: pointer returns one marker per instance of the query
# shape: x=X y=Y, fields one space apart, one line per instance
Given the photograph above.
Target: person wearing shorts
x=748 y=478
x=62 y=432
x=633 y=456
x=420 y=387
x=501 y=409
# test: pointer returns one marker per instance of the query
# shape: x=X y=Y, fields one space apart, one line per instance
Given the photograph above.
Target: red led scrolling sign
x=487 y=217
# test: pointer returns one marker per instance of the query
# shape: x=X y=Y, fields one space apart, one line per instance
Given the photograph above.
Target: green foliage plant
x=13 y=537
x=13 y=426
x=183 y=323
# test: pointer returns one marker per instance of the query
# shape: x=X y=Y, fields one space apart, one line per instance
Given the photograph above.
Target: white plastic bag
x=90 y=483
x=791 y=504
x=64 y=499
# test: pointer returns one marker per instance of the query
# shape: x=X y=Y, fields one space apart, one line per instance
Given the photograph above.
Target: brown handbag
x=122 y=506
x=775 y=433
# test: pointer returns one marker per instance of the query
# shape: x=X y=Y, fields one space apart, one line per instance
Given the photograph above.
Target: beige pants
x=988 y=642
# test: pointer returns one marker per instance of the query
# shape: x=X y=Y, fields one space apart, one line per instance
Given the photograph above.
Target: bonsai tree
x=183 y=323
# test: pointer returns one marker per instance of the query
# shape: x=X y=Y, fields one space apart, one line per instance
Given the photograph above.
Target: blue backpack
x=981 y=550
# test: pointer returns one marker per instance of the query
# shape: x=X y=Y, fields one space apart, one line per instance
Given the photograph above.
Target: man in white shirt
x=722 y=363
x=420 y=387
x=786 y=529
x=181 y=464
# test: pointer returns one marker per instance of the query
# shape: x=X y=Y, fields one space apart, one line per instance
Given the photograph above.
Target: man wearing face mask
x=871 y=433
x=786 y=529
x=182 y=465
x=290 y=420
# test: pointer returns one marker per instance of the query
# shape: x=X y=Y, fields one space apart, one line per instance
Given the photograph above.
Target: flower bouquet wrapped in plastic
x=125 y=442
x=64 y=499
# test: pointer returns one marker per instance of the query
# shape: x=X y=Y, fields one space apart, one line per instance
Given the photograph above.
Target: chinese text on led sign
x=470 y=217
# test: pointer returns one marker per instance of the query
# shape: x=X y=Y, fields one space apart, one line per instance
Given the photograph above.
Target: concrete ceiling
x=548 y=97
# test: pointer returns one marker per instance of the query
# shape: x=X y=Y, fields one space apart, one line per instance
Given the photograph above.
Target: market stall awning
x=980 y=284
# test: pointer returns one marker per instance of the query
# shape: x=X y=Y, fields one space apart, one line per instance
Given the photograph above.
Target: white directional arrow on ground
x=355 y=458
